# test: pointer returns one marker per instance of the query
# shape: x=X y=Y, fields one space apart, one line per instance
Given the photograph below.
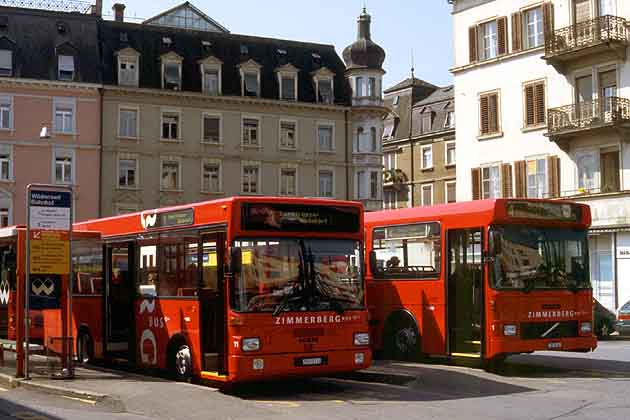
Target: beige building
x=191 y=115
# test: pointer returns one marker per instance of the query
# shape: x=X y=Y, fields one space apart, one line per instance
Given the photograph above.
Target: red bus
x=232 y=290
x=481 y=279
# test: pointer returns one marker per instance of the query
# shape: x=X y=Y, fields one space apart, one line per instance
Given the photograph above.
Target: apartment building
x=49 y=78
x=419 y=149
x=541 y=91
x=192 y=112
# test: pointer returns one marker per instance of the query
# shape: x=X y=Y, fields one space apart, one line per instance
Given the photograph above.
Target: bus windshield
x=280 y=275
x=529 y=257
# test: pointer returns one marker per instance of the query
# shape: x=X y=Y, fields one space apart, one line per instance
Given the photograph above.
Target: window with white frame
x=449 y=122
x=251 y=83
x=211 y=129
x=171 y=74
x=6 y=63
x=288 y=87
x=211 y=176
x=211 y=80
x=250 y=132
x=127 y=70
x=64 y=116
x=250 y=177
x=533 y=27
x=288 y=134
x=390 y=161
x=389 y=199
x=537 y=185
x=128 y=122
x=325 y=138
x=325 y=91
x=63 y=169
x=288 y=180
x=450 y=191
x=127 y=172
x=427 y=157
x=427 y=194
x=491 y=181
x=6 y=112
x=65 y=67
x=450 y=151
x=488 y=47
x=170 y=174
x=170 y=125
x=326 y=183
x=359 y=87
x=6 y=163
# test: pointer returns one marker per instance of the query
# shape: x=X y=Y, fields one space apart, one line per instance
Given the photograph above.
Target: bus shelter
x=48 y=348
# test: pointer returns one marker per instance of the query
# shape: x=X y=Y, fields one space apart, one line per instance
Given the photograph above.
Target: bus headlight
x=361 y=339
x=509 y=330
x=251 y=344
x=586 y=328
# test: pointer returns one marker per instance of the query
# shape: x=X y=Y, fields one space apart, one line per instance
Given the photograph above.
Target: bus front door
x=465 y=292
x=212 y=301
x=119 y=312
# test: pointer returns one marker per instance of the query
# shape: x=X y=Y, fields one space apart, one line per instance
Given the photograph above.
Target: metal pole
x=70 y=287
x=27 y=323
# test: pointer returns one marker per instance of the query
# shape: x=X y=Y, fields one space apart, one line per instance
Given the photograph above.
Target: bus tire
x=85 y=348
x=402 y=338
x=180 y=361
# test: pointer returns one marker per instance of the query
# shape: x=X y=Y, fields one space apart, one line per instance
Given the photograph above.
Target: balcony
x=368 y=101
x=569 y=121
x=602 y=39
x=394 y=179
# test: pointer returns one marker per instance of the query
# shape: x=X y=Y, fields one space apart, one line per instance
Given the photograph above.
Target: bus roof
x=477 y=209
x=130 y=223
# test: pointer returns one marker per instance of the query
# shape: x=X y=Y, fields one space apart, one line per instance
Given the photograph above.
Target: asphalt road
x=540 y=387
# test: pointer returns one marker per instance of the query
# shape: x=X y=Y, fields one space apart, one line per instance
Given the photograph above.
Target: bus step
x=211 y=362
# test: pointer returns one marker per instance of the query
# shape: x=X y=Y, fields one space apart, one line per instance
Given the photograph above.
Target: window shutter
x=529 y=106
x=517 y=31
x=476 y=183
x=493 y=113
x=502 y=35
x=506 y=180
x=548 y=20
x=472 y=44
x=539 y=98
x=553 y=176
x=520 y=168
x=484 y=123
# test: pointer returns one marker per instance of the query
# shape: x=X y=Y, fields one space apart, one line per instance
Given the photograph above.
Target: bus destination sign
x=175 y=218
x=299 y=218
x=563 y=212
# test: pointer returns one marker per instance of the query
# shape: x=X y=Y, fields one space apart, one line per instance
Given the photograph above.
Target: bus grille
x=543 y=330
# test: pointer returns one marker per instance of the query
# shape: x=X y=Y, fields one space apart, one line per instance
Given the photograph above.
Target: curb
x=13 y=383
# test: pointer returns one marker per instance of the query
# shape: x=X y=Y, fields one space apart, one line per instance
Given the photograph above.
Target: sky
x=399 y=26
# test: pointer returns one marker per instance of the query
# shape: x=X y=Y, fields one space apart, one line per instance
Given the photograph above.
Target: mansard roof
x=186 y=16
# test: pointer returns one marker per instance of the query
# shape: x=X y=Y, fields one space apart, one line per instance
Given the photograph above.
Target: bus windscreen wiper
x=297 y=287
x=324 y=292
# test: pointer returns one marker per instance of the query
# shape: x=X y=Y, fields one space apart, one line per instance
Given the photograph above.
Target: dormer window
x=65 y=66
x=6 y=63
x=324 y=85
x=128 y=71
x=288 y=82
x=171 y=71
x=251 y=84
x=210 y=68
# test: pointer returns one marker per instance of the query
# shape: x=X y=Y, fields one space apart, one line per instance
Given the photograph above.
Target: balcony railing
x=588 y=115
x=585 y=34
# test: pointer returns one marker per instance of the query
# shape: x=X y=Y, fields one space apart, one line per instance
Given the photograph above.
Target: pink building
x=49 y=77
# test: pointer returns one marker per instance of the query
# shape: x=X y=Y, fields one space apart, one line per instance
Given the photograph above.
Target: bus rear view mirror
x=236 y=260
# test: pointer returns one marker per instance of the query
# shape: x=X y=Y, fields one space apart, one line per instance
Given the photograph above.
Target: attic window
x=206 y=45
x=171 y=71
x=6 y=63
x=167 y=41
x=244 y=49
x=61 y=27
x=124 y=37
x=396 y=100
x=65 y=66
x=4 y=22
x=282 y=52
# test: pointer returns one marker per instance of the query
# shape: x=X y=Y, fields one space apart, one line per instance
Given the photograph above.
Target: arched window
x=374 y=144
x=359 y=138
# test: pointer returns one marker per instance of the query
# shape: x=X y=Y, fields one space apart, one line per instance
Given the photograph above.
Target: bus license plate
x=554 y=346
x=312 y=361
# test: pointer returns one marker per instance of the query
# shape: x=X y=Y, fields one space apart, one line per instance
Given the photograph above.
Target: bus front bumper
x=511 y=345
x=256 y=367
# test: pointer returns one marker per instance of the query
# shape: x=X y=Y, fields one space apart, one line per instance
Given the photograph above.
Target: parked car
x=605 y=320
x=623 y=323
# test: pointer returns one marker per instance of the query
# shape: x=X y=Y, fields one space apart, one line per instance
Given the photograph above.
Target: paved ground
x=543 y=386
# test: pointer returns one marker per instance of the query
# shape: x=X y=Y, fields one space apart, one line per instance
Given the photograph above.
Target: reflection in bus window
x=409 y=251
x=298 y=275
x=87 y=263
x=147 y=274
x=209 y=280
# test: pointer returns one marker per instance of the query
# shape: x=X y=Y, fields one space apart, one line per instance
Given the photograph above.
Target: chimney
x=97 y=8
x=119 y=12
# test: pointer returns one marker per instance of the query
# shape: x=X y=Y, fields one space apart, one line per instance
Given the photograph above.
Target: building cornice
x=48 y=84
x=234 y=100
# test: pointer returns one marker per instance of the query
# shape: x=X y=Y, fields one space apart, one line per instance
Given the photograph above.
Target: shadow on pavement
x=11 y=410
x=563 y=367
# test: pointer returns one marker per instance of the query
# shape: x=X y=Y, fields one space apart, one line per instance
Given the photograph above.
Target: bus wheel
x=85 y=348
x=402 y=339
x=181 y=364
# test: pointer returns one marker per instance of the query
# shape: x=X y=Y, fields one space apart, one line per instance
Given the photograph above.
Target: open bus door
x=119 y=295
x=212 y=299
x=465 y=292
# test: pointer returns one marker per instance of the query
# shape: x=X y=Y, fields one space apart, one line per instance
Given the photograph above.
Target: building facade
x=419 y=149
x=191 y=115
x=542 y=92
x=49 y=79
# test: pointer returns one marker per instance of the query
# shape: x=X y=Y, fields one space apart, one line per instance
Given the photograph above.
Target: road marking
x=3 y=389
x=288 y=404
x=27 y=415
x=83 y=400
